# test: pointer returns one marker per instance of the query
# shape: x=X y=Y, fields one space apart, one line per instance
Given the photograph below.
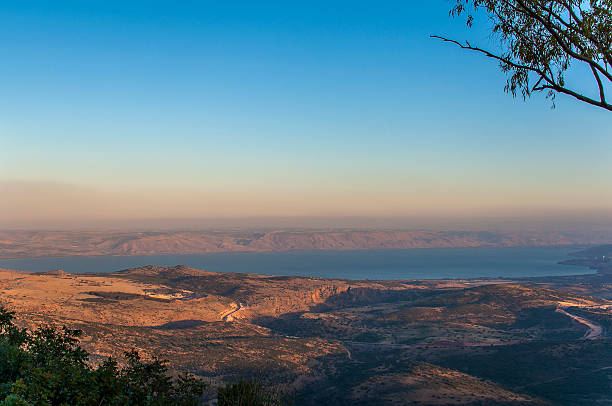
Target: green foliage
x=541 y=39
x=250 y=393
x=48 y=367
x=12 y=400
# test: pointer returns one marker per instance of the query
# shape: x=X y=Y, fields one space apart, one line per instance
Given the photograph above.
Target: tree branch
x=499 y=58
x=602 y=93
x=554 y=31
x=551 y=84
x=578 y=96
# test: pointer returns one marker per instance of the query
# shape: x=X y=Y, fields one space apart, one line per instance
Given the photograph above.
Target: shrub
x=47 y=367
x=250 y=393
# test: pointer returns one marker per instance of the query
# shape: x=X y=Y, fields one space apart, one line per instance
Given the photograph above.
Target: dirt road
x=229 y=316
x=594 y=330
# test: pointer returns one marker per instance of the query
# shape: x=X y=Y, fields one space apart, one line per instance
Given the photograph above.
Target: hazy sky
x=143 y=110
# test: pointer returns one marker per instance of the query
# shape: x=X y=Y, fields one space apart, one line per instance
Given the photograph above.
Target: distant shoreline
x=44 y=244
x=85 y=255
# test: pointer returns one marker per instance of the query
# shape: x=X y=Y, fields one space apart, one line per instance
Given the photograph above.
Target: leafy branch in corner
x=541 y=39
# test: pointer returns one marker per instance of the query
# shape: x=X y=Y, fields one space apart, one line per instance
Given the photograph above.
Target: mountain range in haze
x=29 y=244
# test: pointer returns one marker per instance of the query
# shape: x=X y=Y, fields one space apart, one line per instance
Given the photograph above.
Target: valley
x=334 y=341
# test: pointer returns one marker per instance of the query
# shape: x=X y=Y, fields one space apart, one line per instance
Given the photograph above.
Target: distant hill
x=489 y=304
x=599 y=258
x=20 y=244
x=594 y=252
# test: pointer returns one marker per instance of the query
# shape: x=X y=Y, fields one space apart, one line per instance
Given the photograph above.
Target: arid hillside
x=337 y=341
x=19 y=244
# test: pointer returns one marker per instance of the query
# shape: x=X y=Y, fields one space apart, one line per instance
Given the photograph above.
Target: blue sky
x=207 y=109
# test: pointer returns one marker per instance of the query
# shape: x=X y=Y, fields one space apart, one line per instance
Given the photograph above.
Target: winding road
x=594 y=330
x=226 y=316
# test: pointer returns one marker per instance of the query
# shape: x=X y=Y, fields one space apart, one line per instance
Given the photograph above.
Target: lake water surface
x=443 y=263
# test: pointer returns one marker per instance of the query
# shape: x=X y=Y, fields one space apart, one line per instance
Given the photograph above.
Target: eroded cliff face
x=292 y=301
x=336 y=294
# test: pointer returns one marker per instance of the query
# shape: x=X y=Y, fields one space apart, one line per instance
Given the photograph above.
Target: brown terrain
x=339 y=342
x=29 y=244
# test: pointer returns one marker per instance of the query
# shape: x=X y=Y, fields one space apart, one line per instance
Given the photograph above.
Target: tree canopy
x=541 y=39
x=47 y=367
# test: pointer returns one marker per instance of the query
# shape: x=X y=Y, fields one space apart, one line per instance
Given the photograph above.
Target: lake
x=442 y=263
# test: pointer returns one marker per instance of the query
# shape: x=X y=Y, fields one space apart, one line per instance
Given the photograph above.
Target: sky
x=117 y=112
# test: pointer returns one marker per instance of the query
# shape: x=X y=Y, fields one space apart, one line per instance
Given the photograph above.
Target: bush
x=249 y=393
x=47 y=367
